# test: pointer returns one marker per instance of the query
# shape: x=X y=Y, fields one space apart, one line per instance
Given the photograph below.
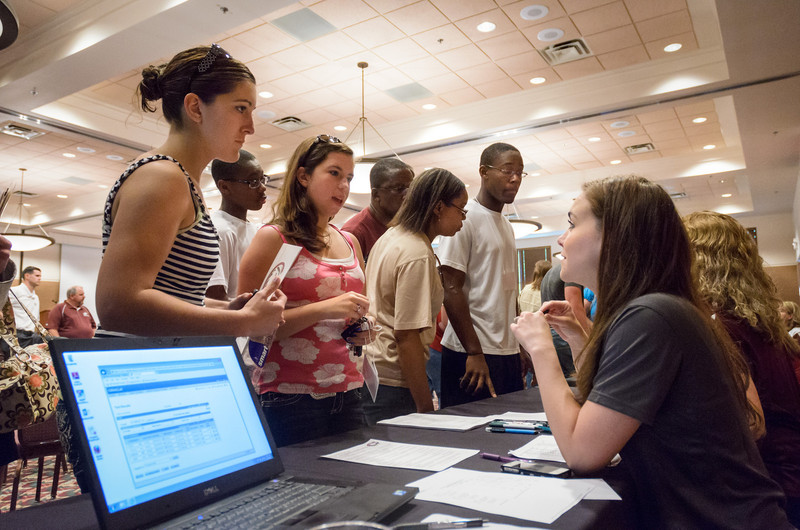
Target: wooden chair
x=38 y=441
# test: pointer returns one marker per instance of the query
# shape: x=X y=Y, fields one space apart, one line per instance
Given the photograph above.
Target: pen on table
x=498 y=458
x=464 y=523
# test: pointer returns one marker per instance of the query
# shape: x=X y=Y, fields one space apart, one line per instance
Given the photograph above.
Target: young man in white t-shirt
x=480 y=355
x=243 y=188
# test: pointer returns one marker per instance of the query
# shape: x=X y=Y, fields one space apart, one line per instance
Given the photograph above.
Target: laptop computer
x=170 y=429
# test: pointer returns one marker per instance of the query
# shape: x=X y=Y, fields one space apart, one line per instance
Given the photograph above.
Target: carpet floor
x=67 y=486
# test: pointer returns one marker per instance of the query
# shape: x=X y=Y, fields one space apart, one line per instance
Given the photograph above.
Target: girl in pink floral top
x=310 y=385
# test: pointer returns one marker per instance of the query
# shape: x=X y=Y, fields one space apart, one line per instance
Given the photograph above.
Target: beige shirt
x=530 y=299
x=405 y=292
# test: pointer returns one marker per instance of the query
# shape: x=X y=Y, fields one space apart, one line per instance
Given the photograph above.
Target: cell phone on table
x=541 y=469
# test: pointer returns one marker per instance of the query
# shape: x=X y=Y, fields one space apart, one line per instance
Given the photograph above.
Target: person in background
x=790 y=315
x=589 y=303
x=530 y=297
x=310 y=384
x=389 y=179
x=405 y=293
x=658 y=381
x=25 y=293
x=70 y=318
x=480 y=356
x=743 y=297
x=242 y=186
x=8 y=271
x=434 y=365
x=160 y=246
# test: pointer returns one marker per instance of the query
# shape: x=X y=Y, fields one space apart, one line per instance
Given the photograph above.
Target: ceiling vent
x=12 y=129
x=564 y=52
x=640 y=148
x=291 y=124
x=678 y=195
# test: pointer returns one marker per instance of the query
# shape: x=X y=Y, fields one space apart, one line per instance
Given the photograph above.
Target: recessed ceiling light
x=538 y=80
x=537 y=174
x=615 y=162
x=62 y=196
x=429 y=106
x=265 y=146
x=534 y=12
x=534 y=216
x=102 y=186
x=594 y=139
x=265 y=94
x=675 y=46
x=69 y=155
x=26 y=205
x=115 y=158
x=709 y=146
x=486 y=27
x=466 y=185
x=620 y=124
x=625 y=134
x=550 y=34
x=700 y=119
x=265 y=114
x=85 y=149
x=340 y=128
x=726 y=195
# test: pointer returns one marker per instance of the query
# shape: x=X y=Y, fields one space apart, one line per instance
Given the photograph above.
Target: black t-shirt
x=692 y=460
x=553 y=286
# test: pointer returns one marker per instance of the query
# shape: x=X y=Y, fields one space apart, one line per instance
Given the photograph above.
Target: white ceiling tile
x=335 y=46
x=441 y=39
x=508 y=45
x=416 y=18
x=463 y=57
x=299 y=58
x=497 y=88
x=460 y=9
x=374 y=32
x=401 y=51
x=344 y=13
x=424 y=68
x=482 y=73
x=602 y=18
x=523 y=63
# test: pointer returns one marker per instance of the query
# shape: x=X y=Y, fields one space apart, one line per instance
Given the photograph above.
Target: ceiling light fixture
x=524 y=228
x=429 y=106
x=9 y=27
x=115 y=158
x=726 y=195
x=85 y=149
x=620 y=124
x=538 y=80
x=534 y=12
x=266 y=94
x=595 y=139
x=360 y=182
x=20 y=241
x=700 y=119
x=340 y=128
x=68 y=155
x=265 y=146
x=486 y=27
x=675 y=46
x=550 y=34
x=709 y=147
x=615 y=162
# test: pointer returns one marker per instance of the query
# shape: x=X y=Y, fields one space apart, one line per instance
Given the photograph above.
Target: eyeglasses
x=394 y=189
x=462 y=210
x=206 y=62
x=508 y=173
x=321 y=139
x=252 y=183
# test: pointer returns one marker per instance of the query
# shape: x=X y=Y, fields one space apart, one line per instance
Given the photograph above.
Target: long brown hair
x=430 y=187
x=293 y=212
x=540 y=268
x=731 y=277
x=645 y=250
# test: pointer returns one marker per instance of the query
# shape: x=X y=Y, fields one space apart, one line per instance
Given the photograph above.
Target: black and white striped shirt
x=194 y=253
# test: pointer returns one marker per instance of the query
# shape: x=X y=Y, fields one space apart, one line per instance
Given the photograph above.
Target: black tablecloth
x=303 y=460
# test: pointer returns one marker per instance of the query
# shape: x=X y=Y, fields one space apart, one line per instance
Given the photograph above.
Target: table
x=303 y=460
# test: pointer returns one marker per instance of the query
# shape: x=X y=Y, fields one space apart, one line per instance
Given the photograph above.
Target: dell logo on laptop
x=210 y=491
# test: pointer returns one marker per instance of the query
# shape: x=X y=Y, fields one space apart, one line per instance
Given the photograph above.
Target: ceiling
x=74 y=68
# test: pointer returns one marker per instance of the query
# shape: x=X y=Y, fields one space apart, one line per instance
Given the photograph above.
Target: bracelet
x=473 y=354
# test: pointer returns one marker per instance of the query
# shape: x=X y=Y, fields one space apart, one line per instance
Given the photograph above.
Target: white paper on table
x=601 y=491
x=540 y=499
x=406 y=456
x=443 y=518
x=444 y=422
x=543 y=447
x=532 y=416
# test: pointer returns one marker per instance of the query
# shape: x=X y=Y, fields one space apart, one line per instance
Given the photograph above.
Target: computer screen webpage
x=160 y=420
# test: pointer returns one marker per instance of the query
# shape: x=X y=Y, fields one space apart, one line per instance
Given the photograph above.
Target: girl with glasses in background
x=310 y=384
x=658 y=382
x=405 y=292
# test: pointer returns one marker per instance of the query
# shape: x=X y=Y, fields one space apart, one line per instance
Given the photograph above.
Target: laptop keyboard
x=281 y=502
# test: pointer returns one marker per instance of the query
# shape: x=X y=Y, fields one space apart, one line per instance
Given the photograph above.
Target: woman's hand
x=560 y=316
x=362 y=338
x=265 y=311
x=349 y=306
x=533 y=333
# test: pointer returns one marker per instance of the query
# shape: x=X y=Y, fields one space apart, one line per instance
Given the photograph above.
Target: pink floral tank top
x=315 y=360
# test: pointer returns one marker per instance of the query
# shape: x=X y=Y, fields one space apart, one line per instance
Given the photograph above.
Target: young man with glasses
x=242 y=185
x=389 y=179
x=480 y=356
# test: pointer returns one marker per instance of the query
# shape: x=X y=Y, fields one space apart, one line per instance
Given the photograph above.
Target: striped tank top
x=194 y=253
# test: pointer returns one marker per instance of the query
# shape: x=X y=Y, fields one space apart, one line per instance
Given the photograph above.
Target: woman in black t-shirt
x=658 y=382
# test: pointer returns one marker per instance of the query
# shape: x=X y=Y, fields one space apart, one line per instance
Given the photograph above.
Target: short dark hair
x=430 y=187
x=172 y=81
x=231 y=170
x=490 y=154
x=384 y=169
x=30 y=269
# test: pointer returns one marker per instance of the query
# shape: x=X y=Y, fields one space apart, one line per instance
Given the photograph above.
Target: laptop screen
x=162 y=419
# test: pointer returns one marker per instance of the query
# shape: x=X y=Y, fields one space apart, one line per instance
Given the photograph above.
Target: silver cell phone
x=542 y=469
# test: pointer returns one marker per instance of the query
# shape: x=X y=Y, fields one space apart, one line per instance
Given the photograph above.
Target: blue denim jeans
x=294 y=418
x=392 y=401
x=433 y=368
